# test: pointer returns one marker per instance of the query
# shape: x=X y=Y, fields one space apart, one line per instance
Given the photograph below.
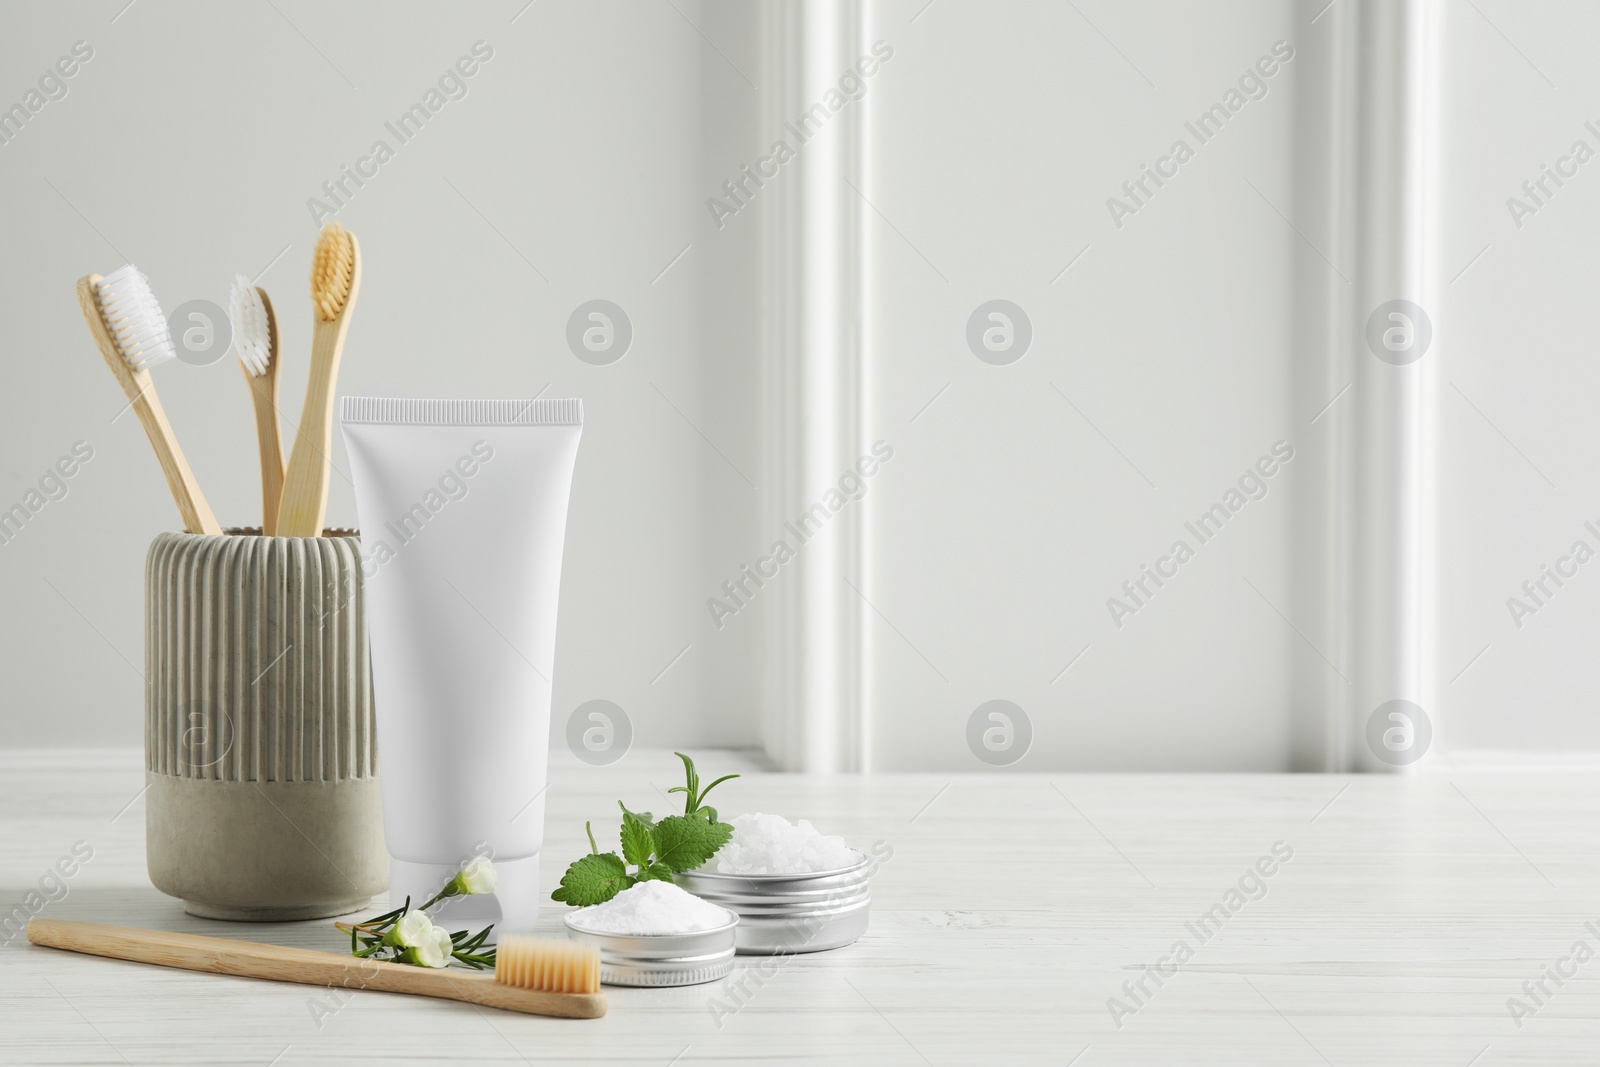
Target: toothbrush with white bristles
x=255 y=340
x=130 y=329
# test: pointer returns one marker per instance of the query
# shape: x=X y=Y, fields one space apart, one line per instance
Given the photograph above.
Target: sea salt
x=651 y=907
x=771 y=844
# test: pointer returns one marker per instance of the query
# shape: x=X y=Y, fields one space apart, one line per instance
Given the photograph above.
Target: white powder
x=651 y=908
x=770 y=844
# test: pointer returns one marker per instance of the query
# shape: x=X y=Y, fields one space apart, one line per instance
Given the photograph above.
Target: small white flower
x=434 y=950
x=421 y=943
x=412 y=930
x=478 y=876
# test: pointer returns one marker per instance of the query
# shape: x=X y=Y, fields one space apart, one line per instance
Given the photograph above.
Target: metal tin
x=662 y=959
x=784 y=913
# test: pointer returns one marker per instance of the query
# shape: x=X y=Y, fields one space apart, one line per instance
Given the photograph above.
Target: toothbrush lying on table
x=539 y=977
x=130 y=328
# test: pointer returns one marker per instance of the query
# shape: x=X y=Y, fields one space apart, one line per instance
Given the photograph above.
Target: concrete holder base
x=240 y=850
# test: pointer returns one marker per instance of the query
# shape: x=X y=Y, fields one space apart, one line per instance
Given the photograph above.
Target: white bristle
x=134 y=317
x=252 y=335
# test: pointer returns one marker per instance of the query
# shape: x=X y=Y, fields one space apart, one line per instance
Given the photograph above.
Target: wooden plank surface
x=1401 y=930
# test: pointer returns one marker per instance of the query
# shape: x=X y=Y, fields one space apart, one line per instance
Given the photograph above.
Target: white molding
x=1389 y=494
x=1502 y=761
x=744 y=760
x=1325 y=149
x=1365 y=169
x=752 y=761
x=812 y=715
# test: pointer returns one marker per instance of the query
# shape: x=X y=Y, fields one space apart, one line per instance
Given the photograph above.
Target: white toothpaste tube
x=463 y=512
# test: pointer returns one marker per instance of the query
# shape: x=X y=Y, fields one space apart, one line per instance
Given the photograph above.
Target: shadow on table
x=151 y=909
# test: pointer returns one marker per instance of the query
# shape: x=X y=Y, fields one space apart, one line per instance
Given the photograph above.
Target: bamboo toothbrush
x=255 y=339
x=335 y=281
x=128 y=324
x=539 y=977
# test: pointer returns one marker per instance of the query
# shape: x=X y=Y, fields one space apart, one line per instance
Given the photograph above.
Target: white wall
x=1516 y=425
x=1169 y=357
x=1160 y=370
x=190 y=144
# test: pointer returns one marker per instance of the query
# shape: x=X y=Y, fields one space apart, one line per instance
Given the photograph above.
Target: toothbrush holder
x=260 y=749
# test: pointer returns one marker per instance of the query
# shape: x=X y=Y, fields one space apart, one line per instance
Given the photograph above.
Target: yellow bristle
x=548 y=966
x=332 y=265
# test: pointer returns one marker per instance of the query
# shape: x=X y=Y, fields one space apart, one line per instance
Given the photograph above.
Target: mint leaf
x=655 y=851
x=658 y=872
x=637 y=841
x=592 y=879
x=684 y=842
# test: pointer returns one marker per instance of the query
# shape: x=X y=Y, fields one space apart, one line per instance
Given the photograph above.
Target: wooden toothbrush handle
x=192 y=506
x=141 y=393
x=249 y=959
x=304 y=506
x=271 y=451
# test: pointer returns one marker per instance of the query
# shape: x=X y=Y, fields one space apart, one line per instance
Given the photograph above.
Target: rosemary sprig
x=395 y=937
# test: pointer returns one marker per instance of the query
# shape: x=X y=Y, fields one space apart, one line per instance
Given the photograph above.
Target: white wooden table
x=1411 y=913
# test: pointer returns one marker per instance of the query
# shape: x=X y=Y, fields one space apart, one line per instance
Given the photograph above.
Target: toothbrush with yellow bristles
x=335 y=281
x=531 y=975
x=130 y=328
x=255 y=340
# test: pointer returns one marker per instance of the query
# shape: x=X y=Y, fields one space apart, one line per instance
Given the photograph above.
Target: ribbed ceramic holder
x=260 y=755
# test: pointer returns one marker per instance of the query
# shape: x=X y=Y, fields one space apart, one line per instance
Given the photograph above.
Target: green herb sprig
x=654 y=849
x=407 y=936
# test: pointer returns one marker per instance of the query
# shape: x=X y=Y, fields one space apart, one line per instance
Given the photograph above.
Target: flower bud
x=478 y=876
